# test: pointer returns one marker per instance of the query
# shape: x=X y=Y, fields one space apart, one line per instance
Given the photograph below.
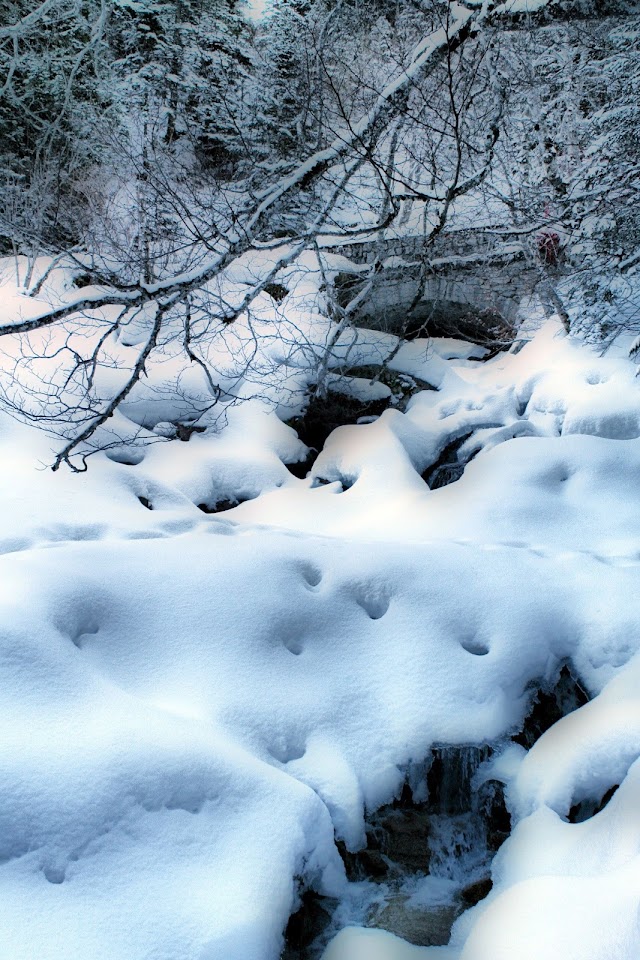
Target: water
x=423 y=889
x=429 y=854
x=458 y=847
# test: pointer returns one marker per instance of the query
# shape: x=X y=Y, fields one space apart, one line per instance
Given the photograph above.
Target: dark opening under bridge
x=461 y=278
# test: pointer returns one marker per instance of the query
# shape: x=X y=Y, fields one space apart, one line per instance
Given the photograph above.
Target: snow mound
x=358 y=943
x=195 y=708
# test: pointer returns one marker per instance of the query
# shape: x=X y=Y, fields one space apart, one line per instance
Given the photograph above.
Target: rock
x=447 y=468
x=367 y=864
x=493 y=809
x=424 y=926
x=309 y=921
x=475 y=892
x=373 y=865
x=549 y=706
x=402 y=838
x=589 y=806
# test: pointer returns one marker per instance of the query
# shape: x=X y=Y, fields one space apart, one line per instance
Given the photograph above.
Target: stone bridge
x=439 y=287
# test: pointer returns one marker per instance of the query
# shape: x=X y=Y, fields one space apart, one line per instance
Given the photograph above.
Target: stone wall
x=459 y=243
x=481 y=271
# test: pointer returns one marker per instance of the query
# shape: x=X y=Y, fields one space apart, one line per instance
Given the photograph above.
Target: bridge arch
x=463 y=289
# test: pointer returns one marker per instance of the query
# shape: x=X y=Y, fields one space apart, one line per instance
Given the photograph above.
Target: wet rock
x=447 y=468
x=549 y=706
x=368 y=864
x=405 y=801
x=374 y=865
x=324 y=414
x=493 y=809
x=307 y=924
x=475 y=892
x=400 y=834
x=589 y=807
x=424 y=926
x=396 y=845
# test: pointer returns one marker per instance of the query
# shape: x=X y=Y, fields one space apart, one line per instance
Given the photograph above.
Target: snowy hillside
x=320 y=449
x=197 y=705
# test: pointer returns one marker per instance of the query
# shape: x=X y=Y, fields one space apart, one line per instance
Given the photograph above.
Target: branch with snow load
x=343 y=159
x=389 y=103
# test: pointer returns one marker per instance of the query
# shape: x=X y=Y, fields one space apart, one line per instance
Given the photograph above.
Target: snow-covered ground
x=195 y=706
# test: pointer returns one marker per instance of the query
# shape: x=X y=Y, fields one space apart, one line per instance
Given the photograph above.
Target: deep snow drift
x=194 y=704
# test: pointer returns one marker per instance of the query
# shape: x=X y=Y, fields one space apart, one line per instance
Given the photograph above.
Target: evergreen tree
x=51 y=99
x=289 y=95
x=182 y=65
x=606 y=245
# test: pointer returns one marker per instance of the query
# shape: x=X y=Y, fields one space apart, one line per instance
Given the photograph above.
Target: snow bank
x=195 y=706
x=356 y=943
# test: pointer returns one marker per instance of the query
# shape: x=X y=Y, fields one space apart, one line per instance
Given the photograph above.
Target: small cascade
x=458 y=847
x=428 y=854
x=449 y=780
x=426 y=861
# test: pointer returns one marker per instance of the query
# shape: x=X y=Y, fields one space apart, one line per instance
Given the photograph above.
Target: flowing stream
x=428 y=854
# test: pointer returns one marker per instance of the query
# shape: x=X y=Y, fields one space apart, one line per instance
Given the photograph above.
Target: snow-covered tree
x=182 y=64
x=51 y=97
x=288 y=93
x=568 y=160
x=414 y=123
x=605 y=192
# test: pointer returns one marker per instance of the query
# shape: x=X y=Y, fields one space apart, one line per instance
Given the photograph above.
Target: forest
x=320 y=436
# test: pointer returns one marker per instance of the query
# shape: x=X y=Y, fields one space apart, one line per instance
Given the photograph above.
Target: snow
x=358 y=944
x=195 y=706
x=521 y=6
x=586 y=752
x=583 y=918
x=257 y=9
